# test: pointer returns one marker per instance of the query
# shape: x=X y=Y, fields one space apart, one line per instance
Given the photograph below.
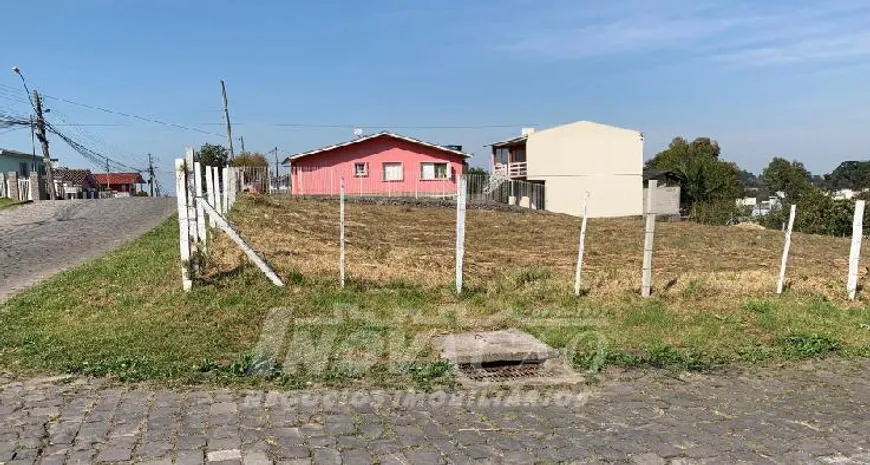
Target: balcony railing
x=512 y=170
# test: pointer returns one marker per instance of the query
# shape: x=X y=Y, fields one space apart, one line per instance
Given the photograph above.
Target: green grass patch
x=9 y=203
x=126 y=316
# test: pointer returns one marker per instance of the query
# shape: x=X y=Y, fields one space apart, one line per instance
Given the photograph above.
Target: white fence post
x=191 y=195
x=225 y=190
x=231 y=187
x=215 y=172
x=855 y=252
x=183 y=224
x=577 y=276
x=341 y=231
x=200 y=213
x=461 y=196
x=209 y=185
x=781 y=281
x=649 y=233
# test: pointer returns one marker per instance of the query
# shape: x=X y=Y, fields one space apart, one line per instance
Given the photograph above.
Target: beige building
x=576 y=158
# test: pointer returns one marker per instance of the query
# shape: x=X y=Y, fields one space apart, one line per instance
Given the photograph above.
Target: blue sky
x=773 y=78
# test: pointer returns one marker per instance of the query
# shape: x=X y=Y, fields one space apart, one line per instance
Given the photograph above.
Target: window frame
x=401 y=171
x=365 y=171
x=435 y=170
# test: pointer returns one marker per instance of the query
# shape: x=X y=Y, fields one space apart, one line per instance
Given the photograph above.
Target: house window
x=23 y=169
x=393 y=171
x=430 y=171
x=360 y=169
x=501 y=156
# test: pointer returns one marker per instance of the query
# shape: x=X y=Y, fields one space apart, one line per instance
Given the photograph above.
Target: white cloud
x=732 y=33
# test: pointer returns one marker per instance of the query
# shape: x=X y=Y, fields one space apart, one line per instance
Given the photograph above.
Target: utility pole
x=227 y=118
x=242 y=140
x=43 y=140
x=108 y=177
x=151 y=174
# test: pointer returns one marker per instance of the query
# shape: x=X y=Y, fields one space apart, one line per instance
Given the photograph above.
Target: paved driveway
x=817 y=412
x=41 y=239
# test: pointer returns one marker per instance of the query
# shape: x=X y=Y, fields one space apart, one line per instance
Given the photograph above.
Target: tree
x=475 y=170
x=791 y=178
x=706 y=177
x=213 y=155
x=853 y=175
x=251 y=159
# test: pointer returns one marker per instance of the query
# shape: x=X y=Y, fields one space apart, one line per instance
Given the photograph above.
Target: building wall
x=575 y=158
x=610 y=196
x=319 y=174
x=13 y=163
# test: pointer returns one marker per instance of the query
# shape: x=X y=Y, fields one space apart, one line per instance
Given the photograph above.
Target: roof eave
x=292 y=158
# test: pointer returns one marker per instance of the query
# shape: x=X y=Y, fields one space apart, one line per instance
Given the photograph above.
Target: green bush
x=818 y=213
x=716 y=212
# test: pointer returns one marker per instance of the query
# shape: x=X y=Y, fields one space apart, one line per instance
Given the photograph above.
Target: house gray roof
x=511 y=141
x=17 y=154
x=372 y=136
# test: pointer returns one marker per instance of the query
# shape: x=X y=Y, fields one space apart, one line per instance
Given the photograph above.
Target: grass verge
x=125 y=315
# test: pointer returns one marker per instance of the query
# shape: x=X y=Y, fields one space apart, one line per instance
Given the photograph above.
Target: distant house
x=75 y=183
x=21 y=163
x=575 y=158
x=378 y=164
x=122 y=184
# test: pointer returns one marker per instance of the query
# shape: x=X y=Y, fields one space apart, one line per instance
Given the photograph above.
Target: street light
x=17 y=71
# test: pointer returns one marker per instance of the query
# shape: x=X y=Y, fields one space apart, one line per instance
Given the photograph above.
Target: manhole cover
x=507 y=357
x=494 y=373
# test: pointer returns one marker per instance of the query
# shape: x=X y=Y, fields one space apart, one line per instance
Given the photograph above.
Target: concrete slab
x=509 y=345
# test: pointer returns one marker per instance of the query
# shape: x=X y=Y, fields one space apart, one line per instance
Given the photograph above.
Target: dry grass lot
x=126 y=315
x=714 y=286
x=388 y=243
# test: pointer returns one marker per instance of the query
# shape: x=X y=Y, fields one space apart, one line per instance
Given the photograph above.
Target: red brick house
x=128 y=183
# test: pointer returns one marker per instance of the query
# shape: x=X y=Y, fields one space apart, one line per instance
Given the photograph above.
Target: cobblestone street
x=43 y=238
x=816 y=412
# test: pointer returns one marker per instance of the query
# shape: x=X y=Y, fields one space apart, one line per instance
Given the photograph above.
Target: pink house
x=379 y=164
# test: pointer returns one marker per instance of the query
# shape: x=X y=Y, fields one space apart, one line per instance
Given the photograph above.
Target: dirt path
x=816 y=412
x=41 y=239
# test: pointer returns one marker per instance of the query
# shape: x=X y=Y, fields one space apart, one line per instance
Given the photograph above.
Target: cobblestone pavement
x=43 y=238
x=812 y=413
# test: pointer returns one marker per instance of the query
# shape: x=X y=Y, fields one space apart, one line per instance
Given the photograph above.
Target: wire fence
x=325 y=182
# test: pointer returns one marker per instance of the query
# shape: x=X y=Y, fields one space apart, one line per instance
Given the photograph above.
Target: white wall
x=574 y=158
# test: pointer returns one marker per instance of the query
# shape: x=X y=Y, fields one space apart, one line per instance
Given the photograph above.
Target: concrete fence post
x=201 y=230
x=781 y=281
x=225 y=190
x=13 y=186
x=582 y=248
x=192 y=213
x=855 y=251
x=183 y=223
x=216 y=182
x=649 y=233
x=36 y=189
x=341 y=231
x=461 y=196
x=209 y=185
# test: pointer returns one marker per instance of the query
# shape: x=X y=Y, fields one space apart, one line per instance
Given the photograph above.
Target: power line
x=91 y=138
x=129 y=115
x=91 y=155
